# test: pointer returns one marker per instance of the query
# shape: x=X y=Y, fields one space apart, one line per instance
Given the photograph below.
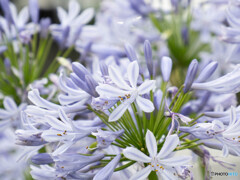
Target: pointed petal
x=118 y=112
x=9 y=104
x=169 y=145
x=107 y=171
x=36 y=99
x=133 y=73
x=142 y=174
x=106 y=90
x=151 y=143
x=62 y=15
x=23 y=16
x=4 y=114
x=225 y=150
x=146 y=86
x=53 y=135
x=136 y=155
x=73 y=9
x=61 y=149
x=176 y=161
x=85 y=17
x=233 y=117
x=117 y=78
x=145 y=104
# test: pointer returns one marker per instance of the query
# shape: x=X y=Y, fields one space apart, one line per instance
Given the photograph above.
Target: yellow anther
x=149 y=163
x=156 y=170
x=142 y=149
x=157 y=164
x=59 y=134
x=152 y=165
x=87 y=147
x=233 y=138
x=65 y=132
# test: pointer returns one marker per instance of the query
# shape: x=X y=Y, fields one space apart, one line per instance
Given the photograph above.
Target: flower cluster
x=148 y=82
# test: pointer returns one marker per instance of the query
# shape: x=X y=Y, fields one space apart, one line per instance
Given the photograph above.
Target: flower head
x=163 y=162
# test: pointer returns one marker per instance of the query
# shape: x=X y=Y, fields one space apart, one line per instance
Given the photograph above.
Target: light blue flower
x=163 y=163
x=105 y=138
x=125 y=92
x=227 y=136
x=10 y=115
x=229 y=83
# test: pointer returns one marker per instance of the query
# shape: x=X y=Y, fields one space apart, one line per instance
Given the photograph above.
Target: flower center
x=155 y=165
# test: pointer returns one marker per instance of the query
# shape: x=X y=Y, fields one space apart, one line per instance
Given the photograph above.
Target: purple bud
x=25 y=138
x=42 y=158
x=80 y=83
x=191 y=74
x=103 y=68
x=6 y=9
x=185 y=35
x=91 y=84
x=44 y=24
x=131 y=54
x=166 y=68
x=148 y=56
x=80 y=70
x=34 y=10
x=207 y=71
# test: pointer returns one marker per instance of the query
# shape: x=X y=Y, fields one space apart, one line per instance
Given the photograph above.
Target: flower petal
x=9 y=104
x=145 y=104
x=84 y=17
x=146 y=86
x=73 y=9
x=136 y=155
x=118 y=112
x=106 y=90
x=107 y=171
x=168 y=175
x=176 y=161
x=117 y=78
x=133 y=73
x=151 y=143
x=169 y=145
x=142 y=174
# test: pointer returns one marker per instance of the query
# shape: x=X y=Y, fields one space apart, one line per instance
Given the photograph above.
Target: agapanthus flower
x=228 y=83
x=163 y=162
x=10 y=115
x=226 y=135
x=71 y=23
x=125 y=92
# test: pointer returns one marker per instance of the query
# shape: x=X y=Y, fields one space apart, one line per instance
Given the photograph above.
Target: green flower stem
x=53 y=65
x=139 y=123
x=189 y=147
x=175 y=109
x=43 y=53
x=152 y=113
x=145 y=122
x=125 y=166
x=196 y=118
x=161 y=109
x=187 y=141
x=183 y=136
